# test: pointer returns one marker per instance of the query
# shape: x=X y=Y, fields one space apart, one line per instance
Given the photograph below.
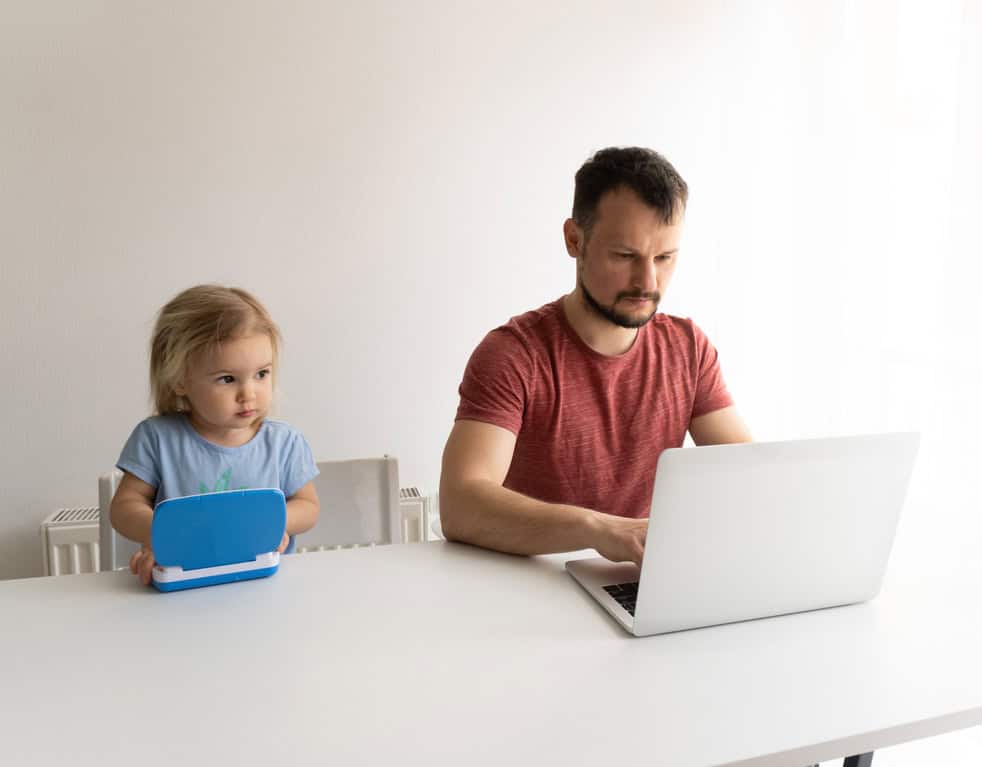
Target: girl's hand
x=284 y=543
x=141 y=564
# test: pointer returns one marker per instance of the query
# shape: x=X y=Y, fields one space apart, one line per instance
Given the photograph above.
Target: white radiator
x=415 y=508
x=70 y=541
x=70 y=537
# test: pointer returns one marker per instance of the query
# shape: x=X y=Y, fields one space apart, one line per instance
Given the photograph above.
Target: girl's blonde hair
x=194 y=321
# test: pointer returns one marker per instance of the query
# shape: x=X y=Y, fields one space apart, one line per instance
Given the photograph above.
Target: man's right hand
x=620 y=539
x=476 y=508
x=141 y=564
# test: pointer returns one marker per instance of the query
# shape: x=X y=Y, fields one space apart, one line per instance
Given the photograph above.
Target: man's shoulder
x=672 y=321
x=676 y=337
x=534 y=319
x=534 y=327
x=519 y=343
x=673 y=327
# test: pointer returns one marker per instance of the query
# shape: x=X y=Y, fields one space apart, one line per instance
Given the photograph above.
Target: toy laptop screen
x=204 y=536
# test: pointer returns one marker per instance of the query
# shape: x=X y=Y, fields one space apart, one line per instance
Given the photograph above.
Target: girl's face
x=230 y=388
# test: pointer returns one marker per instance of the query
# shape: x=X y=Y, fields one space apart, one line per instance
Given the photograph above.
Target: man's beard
x=616 y=317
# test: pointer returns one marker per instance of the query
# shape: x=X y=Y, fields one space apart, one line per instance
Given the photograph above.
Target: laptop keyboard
x=626 y=594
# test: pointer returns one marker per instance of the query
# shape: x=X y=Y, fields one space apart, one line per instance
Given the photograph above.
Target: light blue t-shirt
x=166 y=452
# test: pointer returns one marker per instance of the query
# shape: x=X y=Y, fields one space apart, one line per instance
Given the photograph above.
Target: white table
x=352 y=657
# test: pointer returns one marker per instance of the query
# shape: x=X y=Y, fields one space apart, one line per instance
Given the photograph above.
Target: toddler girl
x=212 y=360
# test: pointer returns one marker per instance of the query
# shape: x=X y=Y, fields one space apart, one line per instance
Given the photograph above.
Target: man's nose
x=646 y=276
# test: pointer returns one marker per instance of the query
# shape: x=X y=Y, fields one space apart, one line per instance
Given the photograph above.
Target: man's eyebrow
x=626 y=249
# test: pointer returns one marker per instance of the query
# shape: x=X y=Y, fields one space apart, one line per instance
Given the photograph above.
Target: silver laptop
x=753 y=530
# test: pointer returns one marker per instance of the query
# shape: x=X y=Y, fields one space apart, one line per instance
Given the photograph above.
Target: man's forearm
x=488 y=515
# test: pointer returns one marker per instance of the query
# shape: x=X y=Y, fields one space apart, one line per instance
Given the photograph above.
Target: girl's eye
x=226 y=379
x=263 y=373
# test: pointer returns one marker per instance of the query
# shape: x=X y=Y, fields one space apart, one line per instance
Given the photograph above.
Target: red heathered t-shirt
x=589 y=427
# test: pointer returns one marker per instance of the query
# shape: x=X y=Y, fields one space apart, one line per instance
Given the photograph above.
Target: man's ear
x=574 y=236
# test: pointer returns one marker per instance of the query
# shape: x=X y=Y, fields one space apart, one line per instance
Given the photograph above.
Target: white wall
x=391 y=178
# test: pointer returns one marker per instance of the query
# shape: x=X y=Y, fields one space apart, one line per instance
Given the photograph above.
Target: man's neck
x=597 y=332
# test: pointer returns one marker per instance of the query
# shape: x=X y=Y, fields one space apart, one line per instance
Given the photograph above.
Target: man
x=565 y=409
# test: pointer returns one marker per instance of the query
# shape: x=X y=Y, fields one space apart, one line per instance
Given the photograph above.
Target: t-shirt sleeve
x=140 y=456
x=298 y=464
x=711 y=391
x=497 y=382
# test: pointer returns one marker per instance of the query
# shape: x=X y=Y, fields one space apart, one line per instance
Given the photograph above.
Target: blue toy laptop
x=201 y=540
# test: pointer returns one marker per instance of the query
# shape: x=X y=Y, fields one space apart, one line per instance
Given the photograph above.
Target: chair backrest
x=359 y=502
x=114 y=550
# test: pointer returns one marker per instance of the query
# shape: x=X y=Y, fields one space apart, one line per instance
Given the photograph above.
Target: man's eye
x=226 y=379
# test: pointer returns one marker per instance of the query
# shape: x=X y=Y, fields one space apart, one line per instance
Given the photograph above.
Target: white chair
x=359 y=502
x=114 y=550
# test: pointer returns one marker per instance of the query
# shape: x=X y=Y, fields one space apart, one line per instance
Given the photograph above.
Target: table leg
x=860 y=760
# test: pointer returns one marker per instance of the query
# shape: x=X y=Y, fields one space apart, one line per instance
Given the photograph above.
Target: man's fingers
x=641 y=533
x=625 y=539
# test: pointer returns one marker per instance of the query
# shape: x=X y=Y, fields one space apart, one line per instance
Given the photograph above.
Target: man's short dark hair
x=644 y=171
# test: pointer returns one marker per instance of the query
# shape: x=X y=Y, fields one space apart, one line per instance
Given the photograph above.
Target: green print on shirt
x=221 y=485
